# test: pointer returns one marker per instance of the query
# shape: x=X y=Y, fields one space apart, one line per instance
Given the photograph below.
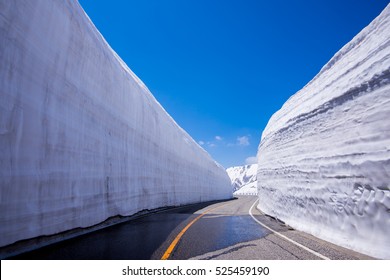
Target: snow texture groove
x=324 y=157
x=81 y=137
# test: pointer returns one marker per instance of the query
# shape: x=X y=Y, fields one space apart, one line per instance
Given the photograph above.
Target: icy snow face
x=81 y=137
x=243 y=179
x=324 y=158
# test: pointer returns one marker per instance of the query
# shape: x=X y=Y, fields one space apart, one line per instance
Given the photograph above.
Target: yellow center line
x=172 y=246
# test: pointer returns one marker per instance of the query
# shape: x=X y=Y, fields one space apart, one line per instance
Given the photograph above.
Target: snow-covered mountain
x=243 y=179
x=81 y=137
x=324 y=157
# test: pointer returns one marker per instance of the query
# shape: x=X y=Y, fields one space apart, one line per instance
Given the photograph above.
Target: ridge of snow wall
x=324 y=157
x=81 y=137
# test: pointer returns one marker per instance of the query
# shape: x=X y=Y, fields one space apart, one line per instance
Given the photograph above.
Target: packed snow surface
x=81 y=137
x=243 y=179
x=324 y=157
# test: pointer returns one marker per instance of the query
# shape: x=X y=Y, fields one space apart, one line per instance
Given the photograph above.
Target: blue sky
x=222 y=68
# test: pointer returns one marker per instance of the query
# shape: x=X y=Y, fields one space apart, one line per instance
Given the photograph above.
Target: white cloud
x=201 y=143
x=211 y=145
x=243 y=141
x=218 y=138
x=251 y=160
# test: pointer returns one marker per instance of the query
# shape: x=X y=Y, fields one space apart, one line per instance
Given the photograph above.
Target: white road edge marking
x=285 y=237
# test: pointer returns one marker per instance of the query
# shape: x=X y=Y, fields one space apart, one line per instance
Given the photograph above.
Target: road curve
x=226 y=230
x=231 y=232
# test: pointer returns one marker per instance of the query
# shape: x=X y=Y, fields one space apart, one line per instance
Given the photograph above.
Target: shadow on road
x=137 y=239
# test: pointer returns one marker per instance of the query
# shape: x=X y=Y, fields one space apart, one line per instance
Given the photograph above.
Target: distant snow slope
x=81 y=137
x=324 y=157
x=243 y=179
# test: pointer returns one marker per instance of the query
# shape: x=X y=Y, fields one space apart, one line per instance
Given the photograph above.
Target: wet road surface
x=223 y=230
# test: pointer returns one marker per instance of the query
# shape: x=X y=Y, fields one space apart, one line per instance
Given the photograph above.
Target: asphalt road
x=225 y=230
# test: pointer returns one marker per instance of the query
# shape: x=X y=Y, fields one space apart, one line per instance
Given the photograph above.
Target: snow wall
x=81 y=137
x=324 y=157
